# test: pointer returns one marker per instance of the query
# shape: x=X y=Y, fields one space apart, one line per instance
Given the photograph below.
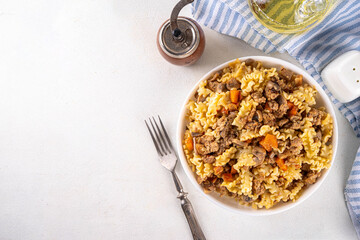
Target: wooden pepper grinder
x=180 y=40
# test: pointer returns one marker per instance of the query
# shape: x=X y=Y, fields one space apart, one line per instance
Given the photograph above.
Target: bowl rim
x=248 y=210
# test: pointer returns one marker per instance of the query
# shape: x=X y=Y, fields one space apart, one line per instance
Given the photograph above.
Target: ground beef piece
x=291 y=185
x=285 y=74
x=199 y=98
x=221 y=123
x=318 y=135
x=329 y=141
x=206 y=149
x=232 y=116
x=222 y=148
x=269 y=119
x=259 y=155
x=209 y=159
x=294 y=149
x=258 y=97
x=216 y=86
x=258 y=187
x=295 y=125
x=232 y=162
x=253 y=125
x=311 y=177
x=281 y=82
x=296 y=146
x=246 y=198
x=221 y=87
x=285 y=85
x=251 y=62
x=223 y=191
x=206 y=139
x=199 y=179
x=206 y=144
x=251 y=114
x=225 y=128
x=273 y=105
x=305 y=167
x=280 y=182
x=212 y=85
x=232 y=83
x=283 y=121
x=283 y=107
x=316 y=116
x=272 y=90
x=232 y=134
x=224 y=133
x=232 y=107
x=208 y=186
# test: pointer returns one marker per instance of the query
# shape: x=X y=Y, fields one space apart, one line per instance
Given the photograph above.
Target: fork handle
x=188 y=209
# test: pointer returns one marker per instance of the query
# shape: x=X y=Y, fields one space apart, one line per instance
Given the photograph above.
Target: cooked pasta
x=254 y=134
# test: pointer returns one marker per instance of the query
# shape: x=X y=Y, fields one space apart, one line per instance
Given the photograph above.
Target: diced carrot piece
x=233 y=170
x=281 y=163
x=218 y=170
x=293 y=111
x=228 y=177
x=269 y=142
x=248 y=141
x=234 y=95
x=189 y=143
x=290 y=104
x=272 y=140
x=265 y=145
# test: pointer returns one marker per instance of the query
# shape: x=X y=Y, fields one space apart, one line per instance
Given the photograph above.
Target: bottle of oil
x=290 y=16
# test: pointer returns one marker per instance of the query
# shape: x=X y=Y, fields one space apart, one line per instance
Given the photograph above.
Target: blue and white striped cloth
x=338 y=33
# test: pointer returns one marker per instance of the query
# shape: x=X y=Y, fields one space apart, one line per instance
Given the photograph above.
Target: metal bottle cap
x=185 y=44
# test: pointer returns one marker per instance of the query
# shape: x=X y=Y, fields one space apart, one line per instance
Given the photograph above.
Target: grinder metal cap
x=180 y=40
x=185 y=44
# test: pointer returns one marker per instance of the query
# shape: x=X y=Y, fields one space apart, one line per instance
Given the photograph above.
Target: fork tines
x=161 y=140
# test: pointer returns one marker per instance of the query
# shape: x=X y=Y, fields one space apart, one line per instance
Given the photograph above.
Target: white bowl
x=230 y=203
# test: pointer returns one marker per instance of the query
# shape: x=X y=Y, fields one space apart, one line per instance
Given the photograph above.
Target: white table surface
x=76 y=162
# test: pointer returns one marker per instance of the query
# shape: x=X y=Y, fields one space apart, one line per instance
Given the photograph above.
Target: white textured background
x=77 y=78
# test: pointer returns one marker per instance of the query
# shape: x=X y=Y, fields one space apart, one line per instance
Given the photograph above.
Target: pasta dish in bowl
x=257 y=135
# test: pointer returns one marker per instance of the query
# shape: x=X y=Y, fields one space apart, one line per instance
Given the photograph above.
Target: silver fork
x=168 y=159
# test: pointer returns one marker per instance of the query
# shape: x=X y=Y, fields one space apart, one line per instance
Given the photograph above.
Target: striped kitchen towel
x=352 y=194
x=338 y=33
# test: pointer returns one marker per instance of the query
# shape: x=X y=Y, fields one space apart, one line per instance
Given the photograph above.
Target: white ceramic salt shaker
x=342 y=76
